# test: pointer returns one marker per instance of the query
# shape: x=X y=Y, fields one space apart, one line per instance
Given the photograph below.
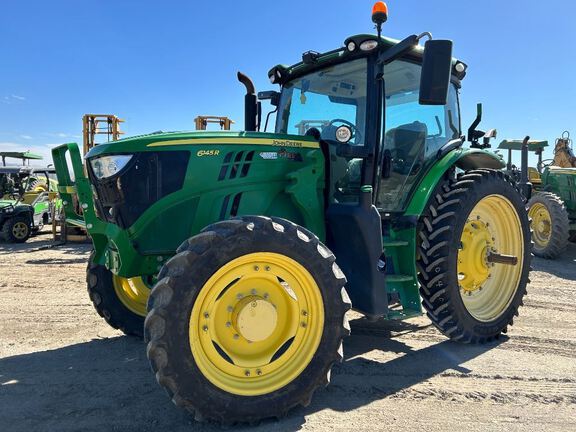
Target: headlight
x=368 y=45
x=107 y=166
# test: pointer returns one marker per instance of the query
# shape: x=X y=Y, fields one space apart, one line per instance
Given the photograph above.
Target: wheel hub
x=19 y=230
x=541 y=224
x=473 y=266
x=255 y=318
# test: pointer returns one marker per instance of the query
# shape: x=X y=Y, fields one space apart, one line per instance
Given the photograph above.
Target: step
x=395 y=243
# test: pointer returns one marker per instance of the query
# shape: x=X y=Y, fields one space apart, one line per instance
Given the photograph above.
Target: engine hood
x=161 y=140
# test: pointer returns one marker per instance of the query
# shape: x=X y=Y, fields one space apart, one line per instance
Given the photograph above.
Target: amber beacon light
x=379 y=13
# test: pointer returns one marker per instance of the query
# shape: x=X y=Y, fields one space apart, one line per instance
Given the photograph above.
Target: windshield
x=325 y=100
x=414 y=133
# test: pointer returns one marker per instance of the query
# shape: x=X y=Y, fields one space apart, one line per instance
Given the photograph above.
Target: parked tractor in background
x=550 y=188
x=238 y=254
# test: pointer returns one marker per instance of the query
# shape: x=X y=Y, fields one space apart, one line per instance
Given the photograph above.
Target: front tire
x=16 y=229
x=247 y=320
x=120 y=301
x=550 y=224
x=471 y=221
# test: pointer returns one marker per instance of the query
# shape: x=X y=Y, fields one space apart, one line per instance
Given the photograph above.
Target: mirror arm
x=399 y=49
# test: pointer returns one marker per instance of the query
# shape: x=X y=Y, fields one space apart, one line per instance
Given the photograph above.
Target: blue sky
x=159 y=64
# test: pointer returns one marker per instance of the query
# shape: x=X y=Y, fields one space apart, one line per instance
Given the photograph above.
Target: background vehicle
x=551 y=192
x=27 y=197
x=239 y=233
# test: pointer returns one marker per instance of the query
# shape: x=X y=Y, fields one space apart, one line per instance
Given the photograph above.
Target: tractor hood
x=202 y=141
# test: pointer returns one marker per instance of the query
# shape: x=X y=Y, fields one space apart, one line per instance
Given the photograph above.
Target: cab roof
x=312 y=60
x=512 y=144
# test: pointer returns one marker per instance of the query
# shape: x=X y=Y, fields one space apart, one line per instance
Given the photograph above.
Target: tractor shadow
x=43 y=242
x=562 y=267
x=106 y=384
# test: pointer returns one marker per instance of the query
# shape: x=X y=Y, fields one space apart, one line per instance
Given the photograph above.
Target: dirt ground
x=63 y=369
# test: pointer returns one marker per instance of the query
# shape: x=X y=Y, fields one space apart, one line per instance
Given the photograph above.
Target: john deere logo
x=287 y=143
x=208 y=153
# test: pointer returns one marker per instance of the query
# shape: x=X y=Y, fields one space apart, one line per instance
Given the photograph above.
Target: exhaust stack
x=251 y=105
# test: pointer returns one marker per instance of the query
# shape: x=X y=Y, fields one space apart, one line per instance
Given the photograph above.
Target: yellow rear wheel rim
x=541 y=224
x=256 y=324
x=133 y=293
x=487 y=289
x=20 y=230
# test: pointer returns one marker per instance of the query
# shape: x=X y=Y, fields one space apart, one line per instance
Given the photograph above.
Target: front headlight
x=107 y=166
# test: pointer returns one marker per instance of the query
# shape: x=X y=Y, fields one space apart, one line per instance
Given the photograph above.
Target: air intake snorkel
x=252 y=108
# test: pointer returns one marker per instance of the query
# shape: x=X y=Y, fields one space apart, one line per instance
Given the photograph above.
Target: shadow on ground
x=43 y=242
x=562 y=267
x=106 y=384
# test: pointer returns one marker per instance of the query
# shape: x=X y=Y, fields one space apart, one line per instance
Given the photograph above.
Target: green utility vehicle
x=255 y=245
x=551 y=189
x=27 y=199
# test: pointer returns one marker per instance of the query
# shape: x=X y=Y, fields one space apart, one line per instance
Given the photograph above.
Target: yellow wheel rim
x=133 y=293
x=541 y=224
x=20 y=230
x=487 y=288
x=256 y=324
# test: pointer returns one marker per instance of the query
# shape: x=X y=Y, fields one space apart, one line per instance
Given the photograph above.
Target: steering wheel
x=545 y=163
x=355 y=132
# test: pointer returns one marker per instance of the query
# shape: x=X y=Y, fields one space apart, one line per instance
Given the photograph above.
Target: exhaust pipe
x=251 y=105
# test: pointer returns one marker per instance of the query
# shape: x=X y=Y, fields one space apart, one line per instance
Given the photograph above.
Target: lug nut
x=205 y=328
x=236 y=336
x=256 y=268
x=206 y=315
x=239 y=296
x=258 y=372
x=304 y=313
x=303 y=324
x=267 y=268
x=229 y=308
x=247 y=373
x=266 y=295
x=253 y=292
x=228 y=324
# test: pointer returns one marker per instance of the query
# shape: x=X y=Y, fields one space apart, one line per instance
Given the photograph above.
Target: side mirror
x=271 y=95
x=436 y=69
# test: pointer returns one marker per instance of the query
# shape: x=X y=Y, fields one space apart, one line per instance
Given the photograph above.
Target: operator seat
x=407 y=145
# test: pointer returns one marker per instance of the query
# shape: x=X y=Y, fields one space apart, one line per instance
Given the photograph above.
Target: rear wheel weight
x=550 y=224
x=471 y=222
x=247 y=320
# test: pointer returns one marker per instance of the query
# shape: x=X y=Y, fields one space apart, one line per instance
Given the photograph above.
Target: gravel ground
x=63 y=369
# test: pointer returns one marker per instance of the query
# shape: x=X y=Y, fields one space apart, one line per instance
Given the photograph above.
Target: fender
x=464 y=159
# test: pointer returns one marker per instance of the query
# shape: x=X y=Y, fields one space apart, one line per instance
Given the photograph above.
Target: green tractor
x=27 y=199
x=238 y=254
x=551 y=190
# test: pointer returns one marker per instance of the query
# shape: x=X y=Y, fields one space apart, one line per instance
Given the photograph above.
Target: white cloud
x=13 y=98
x=26 y=137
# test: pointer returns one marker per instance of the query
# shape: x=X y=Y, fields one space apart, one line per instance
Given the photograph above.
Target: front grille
x=148 y=177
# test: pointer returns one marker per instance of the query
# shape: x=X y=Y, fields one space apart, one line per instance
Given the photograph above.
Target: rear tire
x=108 y=303
x=208 y=359
x=550 y=224
x=468 y=298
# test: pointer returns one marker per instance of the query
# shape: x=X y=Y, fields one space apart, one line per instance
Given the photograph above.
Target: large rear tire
x=120 y=301
x=471 y=222
x=247 y=320
x=550 y=224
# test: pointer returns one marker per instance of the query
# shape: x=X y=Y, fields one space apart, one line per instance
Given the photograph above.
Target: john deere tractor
x=551 y=190
x=238 y=254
